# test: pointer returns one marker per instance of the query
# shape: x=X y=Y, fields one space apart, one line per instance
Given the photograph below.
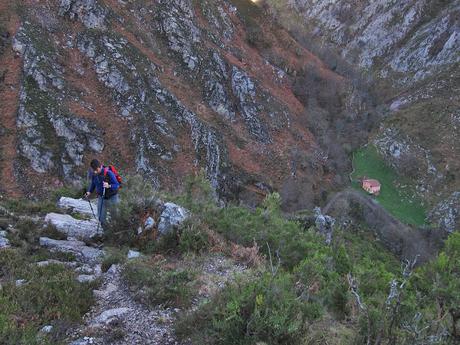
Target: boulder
x=86 y=269
x=78 y=206
x=20 y=282
x=324 y=224
x=133 y=254
x=4 y=242
x=149 y=223
x=46 y=329
x=109 y=290
x=83 y=341
x=108 y=315
x=172 y=216
x=81 y=229
x=86 y=278
x=83 y=252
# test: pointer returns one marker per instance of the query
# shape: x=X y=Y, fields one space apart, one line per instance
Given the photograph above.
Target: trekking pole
x=91 y=206
x=88 y=176
x=100 y=211
x=94 y=215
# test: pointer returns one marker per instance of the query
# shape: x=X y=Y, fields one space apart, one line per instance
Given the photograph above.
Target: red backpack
x=115 y=172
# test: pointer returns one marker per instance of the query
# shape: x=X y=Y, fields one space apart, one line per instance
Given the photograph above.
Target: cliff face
x=163 y=88
x=412 y=50
x=407 y=40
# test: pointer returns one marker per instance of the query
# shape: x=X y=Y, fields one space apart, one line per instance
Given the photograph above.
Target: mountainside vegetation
x=242 y=130
x=297 y=287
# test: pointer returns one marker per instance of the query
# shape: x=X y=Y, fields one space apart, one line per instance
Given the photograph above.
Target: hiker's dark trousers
x=104 y=205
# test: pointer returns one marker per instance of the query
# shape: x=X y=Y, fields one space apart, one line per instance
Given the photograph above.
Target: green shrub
x=193 y=237
x=27 y=232
x=27 y=207
x=50 y=293
x=268 y=228
x=265 y=309
x=154 y=282
x=44 y=205
x=113 y=256
x=198 y=195
x=137 y=197
x=75 y=192
x=439 y=281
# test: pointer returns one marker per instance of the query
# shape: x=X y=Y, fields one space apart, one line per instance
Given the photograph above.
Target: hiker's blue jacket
x=97 y=180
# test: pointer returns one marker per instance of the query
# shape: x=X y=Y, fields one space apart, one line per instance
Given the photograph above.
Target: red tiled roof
x=372 y=182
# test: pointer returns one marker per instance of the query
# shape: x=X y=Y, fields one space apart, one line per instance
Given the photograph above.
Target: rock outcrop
x=324 y=224
x=4 y=242
x=172 y=216
x=446 y=214
x=116 y=309
x=51 y=137
x=80 y=229
x=78 y=248
x=174 y=89
x=414 y=38
x=78 y=206
x=88 y=11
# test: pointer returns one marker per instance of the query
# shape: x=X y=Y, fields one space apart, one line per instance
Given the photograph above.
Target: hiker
x=106 y=184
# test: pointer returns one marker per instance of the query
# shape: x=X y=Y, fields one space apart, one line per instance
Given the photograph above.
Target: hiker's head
x=96 y=166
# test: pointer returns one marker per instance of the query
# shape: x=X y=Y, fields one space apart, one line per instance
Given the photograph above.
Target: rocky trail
x=117 y=317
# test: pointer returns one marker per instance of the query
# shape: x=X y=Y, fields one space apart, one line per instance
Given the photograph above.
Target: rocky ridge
x=411 y=39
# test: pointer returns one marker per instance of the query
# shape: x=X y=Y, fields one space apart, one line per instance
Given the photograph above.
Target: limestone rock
x=46 y=329
x=86 y=278
x=77 y=205
x=176 y=19
x=93 y=270
x=172 y=216
x=133 y=254
x=149 y=223
x=83 y=252
x=4 y=242
x=80 y=229
x=71 y=264
x=401 y=33
x=244 y=89
x=324 y=224
x=107 y=292
x=83 y=341
x=20 y=282
x=446 y=214
x=36 y=125
x=89 y=11
x=107 y=316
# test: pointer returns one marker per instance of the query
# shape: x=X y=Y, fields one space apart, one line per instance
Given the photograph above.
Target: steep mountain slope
x=412 y=50
x=162 y=89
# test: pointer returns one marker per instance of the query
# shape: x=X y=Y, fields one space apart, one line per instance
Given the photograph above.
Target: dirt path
x=118 y=319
